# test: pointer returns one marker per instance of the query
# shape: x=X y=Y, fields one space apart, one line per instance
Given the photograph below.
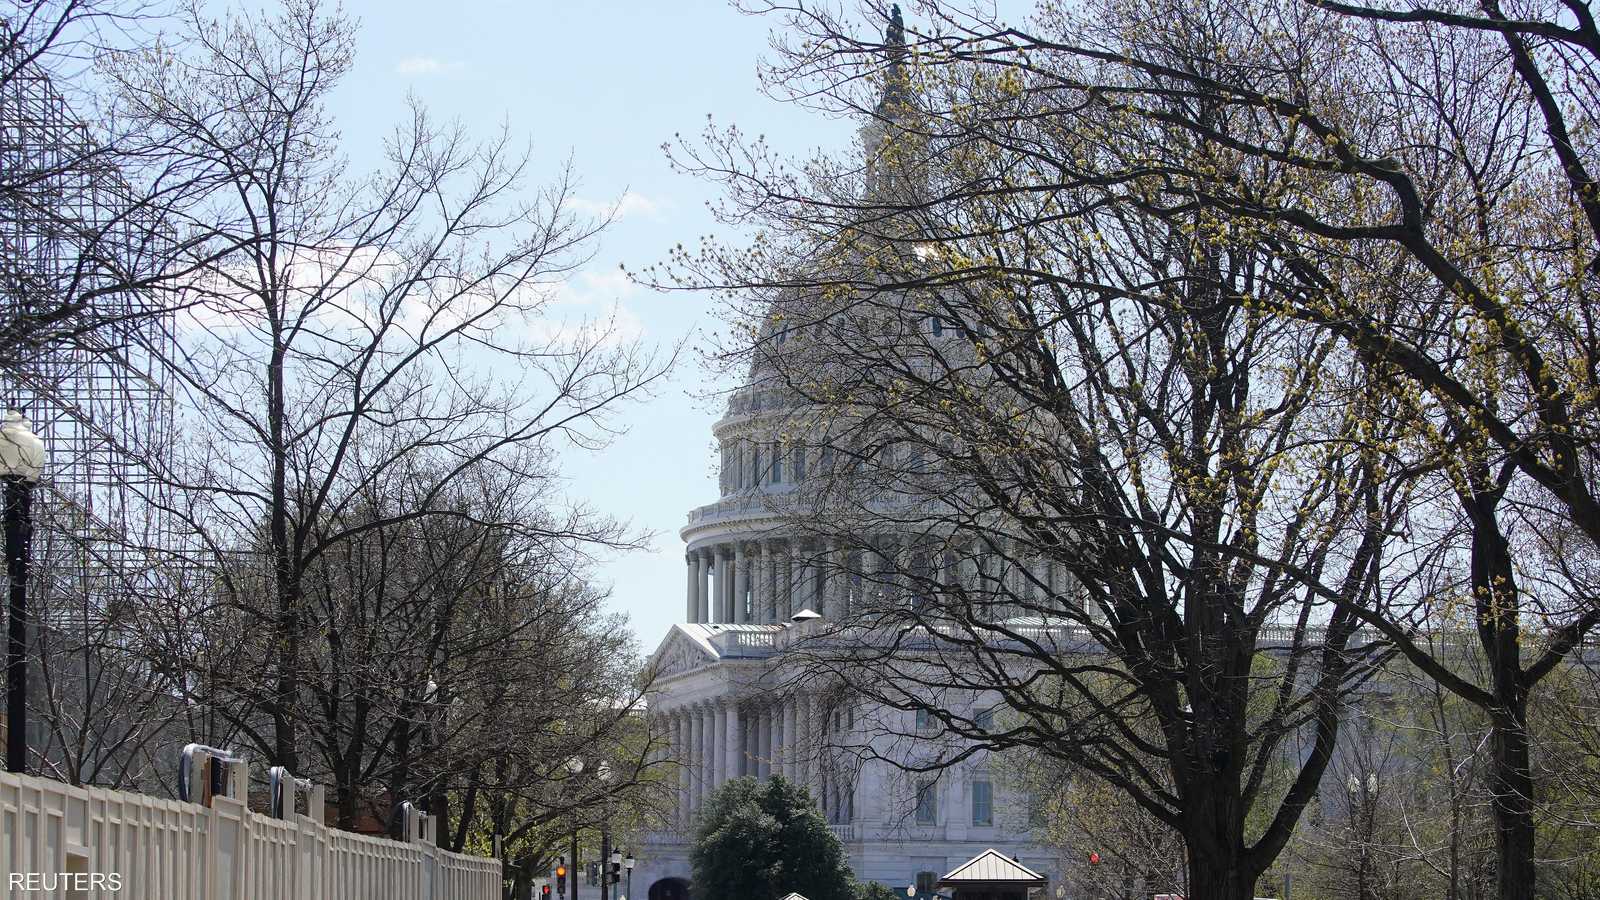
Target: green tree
x=874 y=890
x=761 y=840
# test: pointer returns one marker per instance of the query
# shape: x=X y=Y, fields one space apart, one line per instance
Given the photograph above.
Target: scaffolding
x=80 y=350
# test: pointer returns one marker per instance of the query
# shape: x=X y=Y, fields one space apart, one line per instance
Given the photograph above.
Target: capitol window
x=982 y=802
x=928 y=802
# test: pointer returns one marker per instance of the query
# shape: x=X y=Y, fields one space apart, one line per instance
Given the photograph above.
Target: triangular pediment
x=681 y=651
x=991 y=866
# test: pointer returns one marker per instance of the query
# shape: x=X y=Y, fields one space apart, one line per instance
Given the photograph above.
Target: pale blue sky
x=607 y=83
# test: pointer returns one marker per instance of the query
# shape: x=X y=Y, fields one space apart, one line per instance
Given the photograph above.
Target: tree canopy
x=762 y=840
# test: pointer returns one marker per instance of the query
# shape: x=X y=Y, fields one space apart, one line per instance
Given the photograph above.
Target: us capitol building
x=732 y=692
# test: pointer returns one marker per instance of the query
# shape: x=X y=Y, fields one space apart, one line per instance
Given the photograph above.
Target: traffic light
x=561 y=876
x=616 y=866
x=594 y=873
x=544 y=892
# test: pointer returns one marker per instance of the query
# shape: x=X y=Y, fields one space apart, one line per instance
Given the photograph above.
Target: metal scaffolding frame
x=72 y=231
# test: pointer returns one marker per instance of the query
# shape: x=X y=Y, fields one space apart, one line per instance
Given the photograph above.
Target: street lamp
x=22 y=461
x=627 y=865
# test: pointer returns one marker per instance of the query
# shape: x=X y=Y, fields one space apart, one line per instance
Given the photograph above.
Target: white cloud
x=590 y=303
x=629 y=204
x=425 y=65
x=592 y=288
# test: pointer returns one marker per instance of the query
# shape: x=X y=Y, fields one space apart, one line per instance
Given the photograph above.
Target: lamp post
x=22 y=460
x=627 y=866
x=614 y=870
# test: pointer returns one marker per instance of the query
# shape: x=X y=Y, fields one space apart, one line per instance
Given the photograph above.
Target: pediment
x=681 y=652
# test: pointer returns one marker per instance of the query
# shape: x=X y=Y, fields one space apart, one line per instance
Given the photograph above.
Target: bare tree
x=356 y=350
x=1414 y=182
x=1066 y=457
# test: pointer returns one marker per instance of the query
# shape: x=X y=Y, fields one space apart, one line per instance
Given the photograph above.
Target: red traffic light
x=1094 y=858
x=544 y=891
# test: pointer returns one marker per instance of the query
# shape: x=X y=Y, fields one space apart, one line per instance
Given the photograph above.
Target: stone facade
x=766 y=578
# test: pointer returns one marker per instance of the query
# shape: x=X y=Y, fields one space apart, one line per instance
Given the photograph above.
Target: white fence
x=58 y=842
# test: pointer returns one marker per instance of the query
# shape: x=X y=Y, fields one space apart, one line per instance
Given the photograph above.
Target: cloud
x=629 y=204
x=590 y=303
x=594 y=288
x=426 y=65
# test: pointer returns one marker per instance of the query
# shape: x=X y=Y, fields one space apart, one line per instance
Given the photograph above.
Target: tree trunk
x=286 y=571
x=1218 y=879
x=346 y=790
x=1511 y=781
x=1499 y=630
x=1214 y=839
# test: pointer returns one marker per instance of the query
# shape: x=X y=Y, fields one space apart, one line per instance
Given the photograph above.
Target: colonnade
x=724 y=738
x=765 y=581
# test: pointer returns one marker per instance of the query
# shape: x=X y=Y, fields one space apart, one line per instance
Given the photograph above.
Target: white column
x=758 y=578
x=702 y=569
x=741 y=584
x=775 y=764
x=791 y=742
x=680 y=752
x=786 y=585
x=724 y=587
x=764 y=743
x=838 y=581
x=823 y=579
x=806 y=735
x=819 y=728
x=690 y=606
x=731 y=728
x=714 y=758
x=803 y=597
x=769 y=583
x=697 y=757
x=750 y=738
x=713 y=584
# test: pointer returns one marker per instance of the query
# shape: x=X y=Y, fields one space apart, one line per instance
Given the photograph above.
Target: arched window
x=777 y=463
x=755 y=465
